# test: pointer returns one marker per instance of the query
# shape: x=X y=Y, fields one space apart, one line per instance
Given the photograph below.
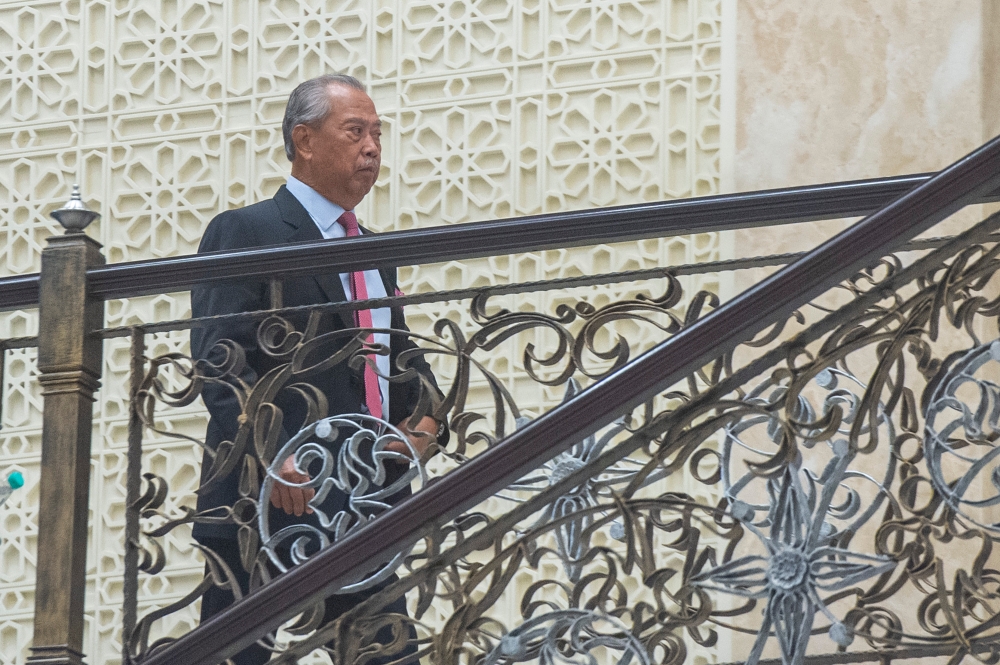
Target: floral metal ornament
x=801 y=563
x=961 y=433
x=808 y=512
x=573 y=509
x=346 y=453
x=570 y=637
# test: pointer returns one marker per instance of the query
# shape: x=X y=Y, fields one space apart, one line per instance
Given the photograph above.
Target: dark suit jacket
x=278 y=221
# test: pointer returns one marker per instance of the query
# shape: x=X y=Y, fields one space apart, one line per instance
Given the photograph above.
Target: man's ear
x=302 y=138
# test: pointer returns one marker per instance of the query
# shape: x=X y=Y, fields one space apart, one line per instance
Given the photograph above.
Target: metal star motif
x=571 y=538
x=799 y=565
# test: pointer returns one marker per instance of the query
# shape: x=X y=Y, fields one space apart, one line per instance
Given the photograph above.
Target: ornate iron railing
x=806 y=471
x=526 y=234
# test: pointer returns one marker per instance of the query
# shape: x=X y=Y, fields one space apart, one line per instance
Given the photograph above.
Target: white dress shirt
x=325 y=214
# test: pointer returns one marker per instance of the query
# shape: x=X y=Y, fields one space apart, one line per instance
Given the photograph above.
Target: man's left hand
x=427 y=426
x=284 y=495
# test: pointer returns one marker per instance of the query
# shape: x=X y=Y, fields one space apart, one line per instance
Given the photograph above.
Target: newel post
x=69 y=365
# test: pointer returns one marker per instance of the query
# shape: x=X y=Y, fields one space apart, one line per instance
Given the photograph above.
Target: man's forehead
x=365 y=120
x=353 y=104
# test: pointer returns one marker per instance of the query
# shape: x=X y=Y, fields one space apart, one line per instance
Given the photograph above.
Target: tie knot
x=350 y=224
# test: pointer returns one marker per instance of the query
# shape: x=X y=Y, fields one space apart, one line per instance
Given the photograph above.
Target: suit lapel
x=302 y=229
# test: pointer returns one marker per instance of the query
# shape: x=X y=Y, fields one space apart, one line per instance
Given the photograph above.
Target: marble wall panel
x=855 y=89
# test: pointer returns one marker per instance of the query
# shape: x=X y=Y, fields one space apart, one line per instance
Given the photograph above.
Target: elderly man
x=332 y=137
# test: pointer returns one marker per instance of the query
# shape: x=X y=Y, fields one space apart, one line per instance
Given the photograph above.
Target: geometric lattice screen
x=168 y=111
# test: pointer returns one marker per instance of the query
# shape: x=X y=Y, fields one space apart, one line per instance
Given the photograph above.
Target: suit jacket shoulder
x=275 y=221
x=253 y=226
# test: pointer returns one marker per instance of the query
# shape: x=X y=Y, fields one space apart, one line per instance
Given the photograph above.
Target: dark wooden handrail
x=961 y=184
x=490 y=238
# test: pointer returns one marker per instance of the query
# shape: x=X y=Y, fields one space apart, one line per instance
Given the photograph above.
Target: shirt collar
x=324 y=212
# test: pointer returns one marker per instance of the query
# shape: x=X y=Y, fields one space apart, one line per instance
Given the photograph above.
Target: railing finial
x=75 y=215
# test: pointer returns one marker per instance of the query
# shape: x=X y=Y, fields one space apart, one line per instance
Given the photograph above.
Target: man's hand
x=427 y=426
x=293 y=500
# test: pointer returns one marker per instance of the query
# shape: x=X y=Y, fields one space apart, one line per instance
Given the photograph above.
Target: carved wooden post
x=69 y=364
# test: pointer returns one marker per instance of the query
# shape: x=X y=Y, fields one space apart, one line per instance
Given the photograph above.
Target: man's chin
x=359 y=193
x=362 y=188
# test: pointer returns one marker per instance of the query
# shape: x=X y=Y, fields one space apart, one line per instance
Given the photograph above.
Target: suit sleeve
x=406 y=395
x=226 y=232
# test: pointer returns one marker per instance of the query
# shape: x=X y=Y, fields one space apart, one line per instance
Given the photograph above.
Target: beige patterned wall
x=167 y=111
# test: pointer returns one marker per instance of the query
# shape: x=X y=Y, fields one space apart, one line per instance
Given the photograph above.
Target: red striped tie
x=363 y=317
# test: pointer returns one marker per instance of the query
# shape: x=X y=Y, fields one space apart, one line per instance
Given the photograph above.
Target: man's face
x=342 y=155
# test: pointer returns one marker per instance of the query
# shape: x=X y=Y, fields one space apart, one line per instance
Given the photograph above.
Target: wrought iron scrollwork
x=583 y=345
x=360 y=468
x=961 y=435
x=838 y=486
x=845 y=497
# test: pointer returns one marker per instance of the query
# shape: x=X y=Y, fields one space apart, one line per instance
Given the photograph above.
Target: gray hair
x=309 y=104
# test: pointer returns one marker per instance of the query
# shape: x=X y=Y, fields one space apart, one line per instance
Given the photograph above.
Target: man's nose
x=371 y=147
